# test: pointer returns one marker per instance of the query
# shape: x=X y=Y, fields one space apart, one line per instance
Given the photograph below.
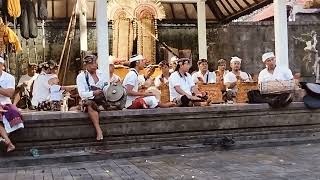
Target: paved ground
x=300 y=162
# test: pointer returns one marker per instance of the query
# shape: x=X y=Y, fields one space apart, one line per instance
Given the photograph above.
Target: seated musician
x=41 y=87
x=146 y=80
x=222 y=70
x=90 y=87
x=173 y=63
x=204 y=75
x=23 y=92
x=234 y=76
x=183 y=90
x=272 y=73
x=136 y=99
x=10 y=117
x=165 y=74
x=113 y=77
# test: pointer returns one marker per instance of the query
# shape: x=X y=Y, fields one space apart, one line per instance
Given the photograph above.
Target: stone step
x=174 y=139
x=95 y=154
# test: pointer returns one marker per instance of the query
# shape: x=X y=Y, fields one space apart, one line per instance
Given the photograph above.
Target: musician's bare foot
x=10 y=147
x=99 y=136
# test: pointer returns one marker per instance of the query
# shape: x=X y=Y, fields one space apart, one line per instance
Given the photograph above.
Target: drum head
x=313 y=88
x=311 y=102
x=114 y=92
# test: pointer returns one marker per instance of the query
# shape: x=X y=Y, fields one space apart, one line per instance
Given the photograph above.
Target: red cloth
x=138 y=103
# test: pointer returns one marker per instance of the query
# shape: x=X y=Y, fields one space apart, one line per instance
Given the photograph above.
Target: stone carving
x=312 y=4
x=311 y=58
x=135 y=20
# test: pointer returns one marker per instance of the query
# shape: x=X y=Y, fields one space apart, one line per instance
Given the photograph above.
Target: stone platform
x=155 y=129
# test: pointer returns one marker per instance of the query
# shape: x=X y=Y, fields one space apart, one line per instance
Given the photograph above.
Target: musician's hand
x=200 y=79
x=195 y=98
x=97 y=92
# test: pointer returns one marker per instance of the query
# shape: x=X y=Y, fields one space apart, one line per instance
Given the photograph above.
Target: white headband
x=267 y=55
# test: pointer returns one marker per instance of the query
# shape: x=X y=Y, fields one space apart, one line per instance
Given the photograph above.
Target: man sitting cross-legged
x=136 y=99
x=232 y=77
x=182 y=89
x=204 y=75
x=23 y=92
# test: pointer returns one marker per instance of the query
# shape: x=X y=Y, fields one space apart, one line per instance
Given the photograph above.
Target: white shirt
x=185 y=82
x=83 y=89
x=41 y=88
x=115 y=78
x=56 y=93
x=157 y=81
x=278 y=74
x=7 y=82
x=208 y=78
x=28 y=79
x=133 y=80
x=230 y=77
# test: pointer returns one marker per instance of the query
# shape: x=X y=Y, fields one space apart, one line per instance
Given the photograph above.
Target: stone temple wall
x=246 y=40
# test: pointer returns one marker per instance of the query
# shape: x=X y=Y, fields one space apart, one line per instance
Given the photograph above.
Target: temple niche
x=135 y=22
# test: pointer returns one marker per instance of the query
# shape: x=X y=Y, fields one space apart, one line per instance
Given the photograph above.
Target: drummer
x=273 y=72
x=136 y=99
x=90 y=84
x=204 y=75
x=234 y=76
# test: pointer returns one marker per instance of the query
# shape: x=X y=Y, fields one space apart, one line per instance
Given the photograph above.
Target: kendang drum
x=277 y=87
x=213 y=90
x=243 y=89
x=115 y=95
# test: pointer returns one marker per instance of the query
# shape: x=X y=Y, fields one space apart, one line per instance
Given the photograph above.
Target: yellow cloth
x=12 y=38
x=14 y=8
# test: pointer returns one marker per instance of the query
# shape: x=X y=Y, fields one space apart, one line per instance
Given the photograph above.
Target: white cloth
x=157 y=81
x=56 y=93
x=83 y=89
x=133 y=80
x=41 y=88
x=208 y=78
x=185 y=82
x=279 y=73
x=115 y=78
x=28 y=79
x=7 y=126
x=7 y=82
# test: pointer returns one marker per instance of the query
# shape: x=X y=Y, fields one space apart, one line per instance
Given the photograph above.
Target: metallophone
x=243 y=89
x=214 y=92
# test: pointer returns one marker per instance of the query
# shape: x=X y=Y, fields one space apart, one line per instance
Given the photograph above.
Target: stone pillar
x=202 y=31
x=102 y=38
x=281 y=33
x=83 y=31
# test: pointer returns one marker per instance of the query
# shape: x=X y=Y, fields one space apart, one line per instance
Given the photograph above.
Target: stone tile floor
x=300 y=162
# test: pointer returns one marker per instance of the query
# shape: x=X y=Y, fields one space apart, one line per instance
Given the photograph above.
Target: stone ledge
x=225 y=108
x=134 y=128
